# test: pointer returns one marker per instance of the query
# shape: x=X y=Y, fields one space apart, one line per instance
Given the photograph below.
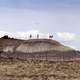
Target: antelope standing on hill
x=30 y=36
x=37 y=36
x=50 y=36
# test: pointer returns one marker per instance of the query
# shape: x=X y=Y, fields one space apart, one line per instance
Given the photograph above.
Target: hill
x=38 y=49
x=33 y=45
x=38 y=59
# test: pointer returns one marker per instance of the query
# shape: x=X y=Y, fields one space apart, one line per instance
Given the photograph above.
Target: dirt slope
x=33 y=45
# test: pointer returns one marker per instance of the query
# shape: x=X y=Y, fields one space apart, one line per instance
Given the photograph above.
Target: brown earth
x=54 y=62
x=39 y=70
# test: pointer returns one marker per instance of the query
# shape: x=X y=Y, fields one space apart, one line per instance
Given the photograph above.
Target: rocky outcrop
x=38 y=49
x=41 y=45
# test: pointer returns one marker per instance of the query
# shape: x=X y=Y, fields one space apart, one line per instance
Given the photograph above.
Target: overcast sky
x=46 y=16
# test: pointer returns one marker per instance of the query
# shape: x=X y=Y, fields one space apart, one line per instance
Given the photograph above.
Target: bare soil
x=11 y=69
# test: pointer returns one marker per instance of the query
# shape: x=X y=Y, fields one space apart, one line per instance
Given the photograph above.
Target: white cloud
x=24 y=35
x=66 y=35
x=2 y=33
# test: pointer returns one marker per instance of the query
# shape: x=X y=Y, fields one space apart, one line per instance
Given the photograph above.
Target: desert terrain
x=38 y=59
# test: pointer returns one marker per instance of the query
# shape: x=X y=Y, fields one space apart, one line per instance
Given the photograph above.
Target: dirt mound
x=38 y=49
x=32 y=45
x=41 y=45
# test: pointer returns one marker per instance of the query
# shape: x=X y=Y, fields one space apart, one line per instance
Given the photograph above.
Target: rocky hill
x=38 y=59
x=32 y=45
x=38 y=49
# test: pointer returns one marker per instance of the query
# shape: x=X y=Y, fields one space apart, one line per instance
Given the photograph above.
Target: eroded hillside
x=32 y=45
x=38 y=59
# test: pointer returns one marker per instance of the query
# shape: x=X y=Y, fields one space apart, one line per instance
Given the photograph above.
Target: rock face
x=31 y=46
x=41 y=46
x=8 y=49
x=49 y=56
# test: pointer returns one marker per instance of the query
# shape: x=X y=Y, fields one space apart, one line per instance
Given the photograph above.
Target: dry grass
x=38 y=70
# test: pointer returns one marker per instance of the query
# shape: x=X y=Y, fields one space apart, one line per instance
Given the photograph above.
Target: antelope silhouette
x=50 y=36
x=37 y=36
x=30 y=36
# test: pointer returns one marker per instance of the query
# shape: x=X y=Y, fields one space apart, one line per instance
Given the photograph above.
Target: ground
x=38 y=70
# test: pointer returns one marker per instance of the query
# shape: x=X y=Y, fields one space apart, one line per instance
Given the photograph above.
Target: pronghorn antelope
x=50 y=36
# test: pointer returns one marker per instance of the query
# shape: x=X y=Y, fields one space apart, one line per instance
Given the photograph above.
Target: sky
x=42 y=16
